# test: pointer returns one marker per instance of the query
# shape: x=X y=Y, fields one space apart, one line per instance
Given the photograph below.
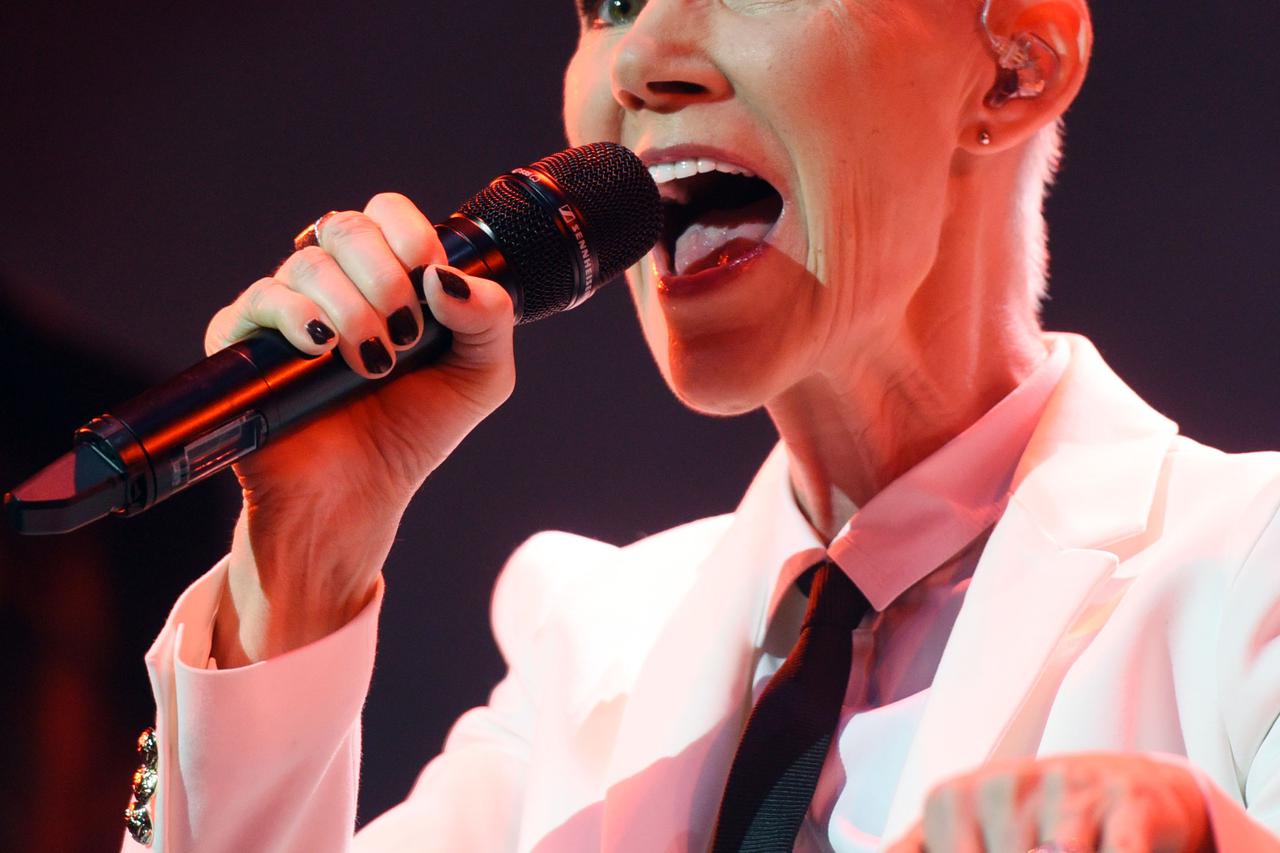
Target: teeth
x=665 y=173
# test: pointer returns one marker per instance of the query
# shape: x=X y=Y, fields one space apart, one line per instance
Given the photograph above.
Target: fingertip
x=376 y=357
x=487 y=295
x=453 y=283
x=321 y=334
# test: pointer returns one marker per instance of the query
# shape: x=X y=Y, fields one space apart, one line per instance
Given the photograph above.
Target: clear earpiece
x=1024 y=63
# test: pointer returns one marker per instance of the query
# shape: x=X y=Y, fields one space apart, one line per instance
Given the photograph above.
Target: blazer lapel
x=682 y=720
x=1085 y=482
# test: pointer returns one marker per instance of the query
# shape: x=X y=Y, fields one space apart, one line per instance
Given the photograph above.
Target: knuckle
x=388 y=202
x=309 y=263
x=942 y=800
x=997 y=792
x=255 y=294
x=346 y=226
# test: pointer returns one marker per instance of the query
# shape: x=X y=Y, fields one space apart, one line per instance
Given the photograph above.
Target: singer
x=981 y=596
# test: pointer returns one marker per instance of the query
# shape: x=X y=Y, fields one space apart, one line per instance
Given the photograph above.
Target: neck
x=969 y=335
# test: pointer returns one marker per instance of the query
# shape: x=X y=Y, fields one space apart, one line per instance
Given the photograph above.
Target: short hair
x=1036 y=175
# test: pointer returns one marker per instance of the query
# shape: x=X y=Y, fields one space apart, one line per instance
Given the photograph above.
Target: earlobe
x=1040 y=49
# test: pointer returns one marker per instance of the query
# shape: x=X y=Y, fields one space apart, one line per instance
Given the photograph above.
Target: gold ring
x=310 y=236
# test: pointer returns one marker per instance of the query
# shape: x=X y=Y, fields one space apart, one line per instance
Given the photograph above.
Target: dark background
x=157 y=159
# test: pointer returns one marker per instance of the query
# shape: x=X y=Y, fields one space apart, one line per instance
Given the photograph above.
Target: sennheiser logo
x=571 y=219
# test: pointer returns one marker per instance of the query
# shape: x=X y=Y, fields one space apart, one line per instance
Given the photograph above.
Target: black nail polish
x=319 y=332
x=453 y=284
x=416 y=276
x=402 y=327
x=375 y=356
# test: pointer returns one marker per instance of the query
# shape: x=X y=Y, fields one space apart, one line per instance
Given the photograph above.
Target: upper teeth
x=666 y=172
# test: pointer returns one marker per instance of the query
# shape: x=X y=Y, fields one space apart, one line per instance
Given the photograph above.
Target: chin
x=722 y=375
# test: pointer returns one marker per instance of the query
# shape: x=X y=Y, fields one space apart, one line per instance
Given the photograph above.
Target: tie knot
x=834 y=600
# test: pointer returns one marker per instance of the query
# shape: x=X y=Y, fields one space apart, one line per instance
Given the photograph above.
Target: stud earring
x=984 y=137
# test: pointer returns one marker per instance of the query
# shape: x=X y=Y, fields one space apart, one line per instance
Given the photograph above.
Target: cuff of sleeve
x=229 y=736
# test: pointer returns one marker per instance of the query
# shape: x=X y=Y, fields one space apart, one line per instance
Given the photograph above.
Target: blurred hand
x=321 y=505
x=1081 y=802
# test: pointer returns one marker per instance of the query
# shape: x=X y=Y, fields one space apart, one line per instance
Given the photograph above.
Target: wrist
x=288 y=585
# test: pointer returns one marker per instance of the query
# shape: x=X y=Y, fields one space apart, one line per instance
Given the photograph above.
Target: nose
x=662 y=62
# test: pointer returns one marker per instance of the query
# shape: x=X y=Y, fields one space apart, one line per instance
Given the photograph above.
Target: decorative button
x=144 y=784
x=139 y=824
x=147 y=747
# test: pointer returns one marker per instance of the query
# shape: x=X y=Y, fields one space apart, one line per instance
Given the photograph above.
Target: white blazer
x=1127 y=600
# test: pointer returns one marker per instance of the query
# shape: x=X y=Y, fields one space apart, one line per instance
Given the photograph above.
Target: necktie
x=789 y=730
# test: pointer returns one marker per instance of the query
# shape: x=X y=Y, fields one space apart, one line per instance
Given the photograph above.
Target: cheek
x=590 y=112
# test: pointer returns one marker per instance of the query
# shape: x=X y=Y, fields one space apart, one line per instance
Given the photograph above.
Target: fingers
x=270 y=303
x=357 y=243
x=351 y=290
x=410 y=236
x=950 y=822
x=1071 y=805
x=1006 y=804
x=363 y=336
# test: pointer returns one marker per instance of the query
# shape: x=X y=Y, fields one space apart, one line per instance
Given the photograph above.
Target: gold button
x=144 y=784
x=147 y=747
x=139 y=824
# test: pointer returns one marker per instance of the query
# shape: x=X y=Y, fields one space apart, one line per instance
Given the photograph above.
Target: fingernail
x=319 y=332
x=403 y=327
x=453 y=284
x=416 y=276
x=375 y=356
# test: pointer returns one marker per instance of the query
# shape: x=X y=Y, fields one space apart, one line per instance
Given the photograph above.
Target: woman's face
x=849 y=109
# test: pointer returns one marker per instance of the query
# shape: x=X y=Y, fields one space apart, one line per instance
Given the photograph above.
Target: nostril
x=676 y=87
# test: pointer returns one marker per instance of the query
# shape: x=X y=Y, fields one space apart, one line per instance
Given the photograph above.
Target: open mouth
x=713 y=217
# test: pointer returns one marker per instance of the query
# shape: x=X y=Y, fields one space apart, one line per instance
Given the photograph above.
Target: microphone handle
x=254 y=391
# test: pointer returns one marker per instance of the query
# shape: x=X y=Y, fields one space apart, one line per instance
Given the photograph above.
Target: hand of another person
x=1084 y=802
x=322 y=504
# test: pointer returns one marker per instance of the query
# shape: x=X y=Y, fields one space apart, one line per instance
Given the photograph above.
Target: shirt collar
x=935 y=509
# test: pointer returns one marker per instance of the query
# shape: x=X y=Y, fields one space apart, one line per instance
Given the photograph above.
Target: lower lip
x=680 y=286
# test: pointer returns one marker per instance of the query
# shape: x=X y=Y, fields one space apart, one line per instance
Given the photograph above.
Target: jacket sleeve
x=1247 y=817
x=267 y=756
x=260 y=757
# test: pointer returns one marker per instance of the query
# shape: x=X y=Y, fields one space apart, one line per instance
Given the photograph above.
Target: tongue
x=720 y=235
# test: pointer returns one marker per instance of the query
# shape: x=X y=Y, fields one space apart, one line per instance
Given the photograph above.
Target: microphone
x=550 y=233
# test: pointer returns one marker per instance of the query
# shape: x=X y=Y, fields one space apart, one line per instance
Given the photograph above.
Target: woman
x=855 y=244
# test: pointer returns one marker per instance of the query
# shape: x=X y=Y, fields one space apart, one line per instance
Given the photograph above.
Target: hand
x=321 y=505
x=1080 y=802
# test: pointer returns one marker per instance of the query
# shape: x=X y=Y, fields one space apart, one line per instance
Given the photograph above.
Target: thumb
x=478 y=312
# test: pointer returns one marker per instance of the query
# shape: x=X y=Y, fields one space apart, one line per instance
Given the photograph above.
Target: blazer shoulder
x=1246 y=483
x=554 y=572
x=535 y=577
x=1218 y=510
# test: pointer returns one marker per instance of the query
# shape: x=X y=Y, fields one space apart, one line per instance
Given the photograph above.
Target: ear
x=1036 y=62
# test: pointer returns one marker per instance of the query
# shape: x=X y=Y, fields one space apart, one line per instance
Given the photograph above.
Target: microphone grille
x=616 y=195
x=618 y=201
